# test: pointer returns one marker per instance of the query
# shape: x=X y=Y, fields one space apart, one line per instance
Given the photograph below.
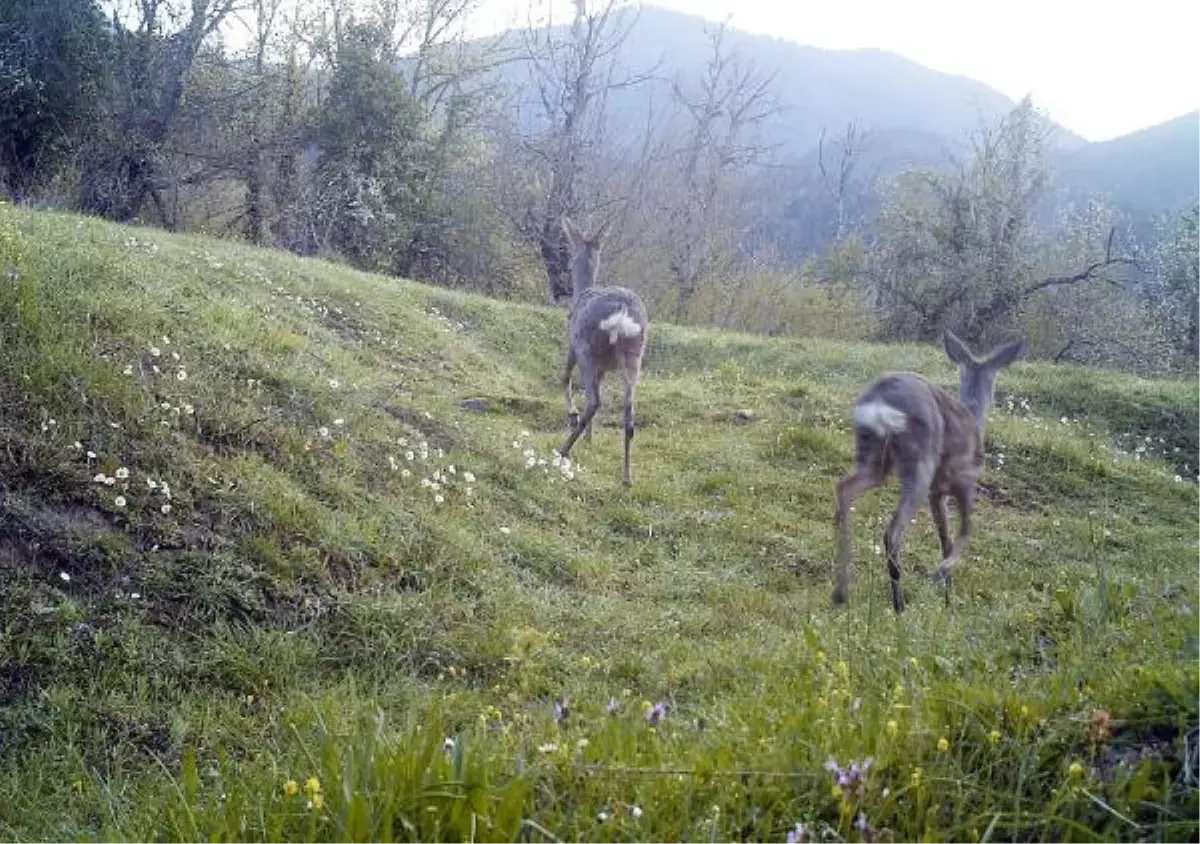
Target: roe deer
x=934 y=442
x=606 y=331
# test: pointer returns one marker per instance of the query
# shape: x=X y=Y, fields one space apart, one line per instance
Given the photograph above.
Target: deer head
x=977 y=376
x=585 y=255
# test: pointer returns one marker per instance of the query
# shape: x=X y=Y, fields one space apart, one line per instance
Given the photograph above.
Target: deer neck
x=583 y=275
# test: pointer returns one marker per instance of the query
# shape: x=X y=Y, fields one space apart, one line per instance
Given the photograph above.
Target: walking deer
x=934 y=443
x=606 y=331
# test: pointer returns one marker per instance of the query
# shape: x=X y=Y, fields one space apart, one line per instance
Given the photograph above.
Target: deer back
x=607 y=324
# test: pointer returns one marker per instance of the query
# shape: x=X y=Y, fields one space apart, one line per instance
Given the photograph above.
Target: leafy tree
x=962 y=248
x=1173 y=289
x=54 y=62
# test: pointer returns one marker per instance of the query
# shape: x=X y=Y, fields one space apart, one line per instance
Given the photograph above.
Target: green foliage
x=305 y=607
x=1173 y=290
x=53 y=63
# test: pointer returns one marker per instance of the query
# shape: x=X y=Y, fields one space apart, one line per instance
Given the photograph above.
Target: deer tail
x=620 y=324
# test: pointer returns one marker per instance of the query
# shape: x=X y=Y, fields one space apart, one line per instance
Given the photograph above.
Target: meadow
x=286 y=554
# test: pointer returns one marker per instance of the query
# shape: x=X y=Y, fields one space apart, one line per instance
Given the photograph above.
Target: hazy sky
x=1099 y=69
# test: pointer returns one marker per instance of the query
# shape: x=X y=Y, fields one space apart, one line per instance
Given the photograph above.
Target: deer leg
x=964 y=496
x=629 y=376
x=572 y=411
x=850 y=487
x=937 y=508
x=914 y=485
x=592 y=387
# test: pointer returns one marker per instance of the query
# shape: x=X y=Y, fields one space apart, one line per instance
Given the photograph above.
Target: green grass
x=305 y=607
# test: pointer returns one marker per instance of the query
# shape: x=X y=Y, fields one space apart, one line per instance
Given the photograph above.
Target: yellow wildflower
x=892 y=728
x=318 y=801
x=312 y=786
x=943 y=744
x=1075 y=770
x=290 y=788
x=994 y=736
x=1024 y=711
x=915 y=779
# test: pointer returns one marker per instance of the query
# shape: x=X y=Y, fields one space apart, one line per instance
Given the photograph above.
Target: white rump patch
x=881 y=418
x=620 y=324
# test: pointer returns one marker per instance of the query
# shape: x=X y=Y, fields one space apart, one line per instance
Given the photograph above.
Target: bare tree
x=839 y=178
x=573 y=71
x=720 y=139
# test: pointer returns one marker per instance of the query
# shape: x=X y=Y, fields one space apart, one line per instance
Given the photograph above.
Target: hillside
x=235 y=606
x=1156 y=169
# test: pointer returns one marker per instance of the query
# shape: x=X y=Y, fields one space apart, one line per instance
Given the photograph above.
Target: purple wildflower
x=656 y=713
x=562 y=709
x=853 y=778
x=864 y=827
x=799 y=834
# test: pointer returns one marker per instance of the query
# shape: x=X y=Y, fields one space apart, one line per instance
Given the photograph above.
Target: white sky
x=1101 y=70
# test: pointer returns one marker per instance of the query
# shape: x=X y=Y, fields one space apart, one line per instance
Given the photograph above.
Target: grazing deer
x=934 y=442
x=606 y=332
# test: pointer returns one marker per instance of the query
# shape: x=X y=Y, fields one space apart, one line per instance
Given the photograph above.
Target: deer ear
x=574 y=235
x=599 y=235
x=956 y=349
x=1004 y=356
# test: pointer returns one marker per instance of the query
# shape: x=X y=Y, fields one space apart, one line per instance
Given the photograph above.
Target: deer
x=933 y=441
x=606 y=331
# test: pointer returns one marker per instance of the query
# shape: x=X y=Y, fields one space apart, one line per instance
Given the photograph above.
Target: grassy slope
x=304 y=607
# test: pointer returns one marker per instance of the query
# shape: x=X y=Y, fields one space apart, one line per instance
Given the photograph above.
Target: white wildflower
x=323 y=431
x=408 y=455
x=334 y=383
x=339 y=422
x=635 y=811
x=506 y=530
x=155 y=351
x=181 y=375
x=404 y=473
x=91 y=455
x=119 y=501
x=66 y=578
x=438 y=499
x=548 y=747
x=166 y=508
x=128 y=370
x=122 y=473
x=469 y=477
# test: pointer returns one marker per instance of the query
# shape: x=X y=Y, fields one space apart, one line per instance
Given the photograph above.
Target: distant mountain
x=825 y=88
x=913 y=116
x=1152 y=170
x=817 y=89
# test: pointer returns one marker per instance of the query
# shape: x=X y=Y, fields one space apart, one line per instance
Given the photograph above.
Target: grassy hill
x=225 y=569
